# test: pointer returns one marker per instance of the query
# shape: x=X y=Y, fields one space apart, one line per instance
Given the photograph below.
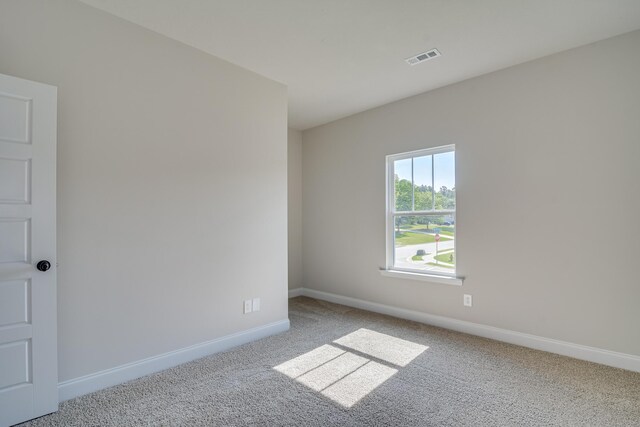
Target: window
x=421 y=212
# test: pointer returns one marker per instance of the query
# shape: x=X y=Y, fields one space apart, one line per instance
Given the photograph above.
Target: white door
x=28 y=341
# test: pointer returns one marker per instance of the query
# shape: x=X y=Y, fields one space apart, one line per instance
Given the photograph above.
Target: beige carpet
x=342 y=366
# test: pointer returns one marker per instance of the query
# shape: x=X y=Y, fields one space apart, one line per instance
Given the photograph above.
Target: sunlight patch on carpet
x=308 y=361
x=348 y=391
x=347 y=376
x=382 y=346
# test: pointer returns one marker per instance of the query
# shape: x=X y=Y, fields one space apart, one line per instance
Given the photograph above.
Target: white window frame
x=391 y=214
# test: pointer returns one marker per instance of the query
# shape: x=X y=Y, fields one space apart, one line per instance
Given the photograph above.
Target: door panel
x=28 y=332
x=15 y=118
x=15 y=301
x=14 y=363
x=15 y=171
x=15 y=240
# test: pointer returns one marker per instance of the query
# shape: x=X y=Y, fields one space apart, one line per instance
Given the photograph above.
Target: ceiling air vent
x=421 y=57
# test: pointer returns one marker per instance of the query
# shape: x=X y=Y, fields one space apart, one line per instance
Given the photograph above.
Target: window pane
x=425 y=243
x=403 y=187
x=422 y=179
x=445 y=180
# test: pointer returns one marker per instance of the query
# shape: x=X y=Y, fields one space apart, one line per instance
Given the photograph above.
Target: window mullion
x=423 y=213
x=433 y=193
x=413 y=189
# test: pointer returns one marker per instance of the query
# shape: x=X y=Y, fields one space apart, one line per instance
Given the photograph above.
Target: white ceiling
x=340 y=57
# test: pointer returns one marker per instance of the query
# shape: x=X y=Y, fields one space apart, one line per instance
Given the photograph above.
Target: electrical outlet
x=247 y=306
x=256 y=304
x=467 y=300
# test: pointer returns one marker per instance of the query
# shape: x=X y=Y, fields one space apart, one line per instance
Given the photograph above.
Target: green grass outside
x=439 y=265
x=445 y=230
x=417 y=257
x=446 y=257
x=405 y=238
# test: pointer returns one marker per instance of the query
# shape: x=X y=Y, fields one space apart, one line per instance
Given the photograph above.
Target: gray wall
x=295 y=207
x=172 y=185
x=548 y=201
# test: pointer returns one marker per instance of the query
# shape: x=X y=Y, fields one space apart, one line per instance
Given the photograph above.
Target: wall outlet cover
x=467 y=300
x=247 y=306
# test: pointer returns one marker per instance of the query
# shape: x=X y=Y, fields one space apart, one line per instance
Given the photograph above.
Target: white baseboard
x=120 y=374
x=577 y=351
x=295 y=292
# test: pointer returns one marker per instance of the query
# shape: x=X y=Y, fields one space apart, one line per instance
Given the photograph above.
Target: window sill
x=424 y=277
